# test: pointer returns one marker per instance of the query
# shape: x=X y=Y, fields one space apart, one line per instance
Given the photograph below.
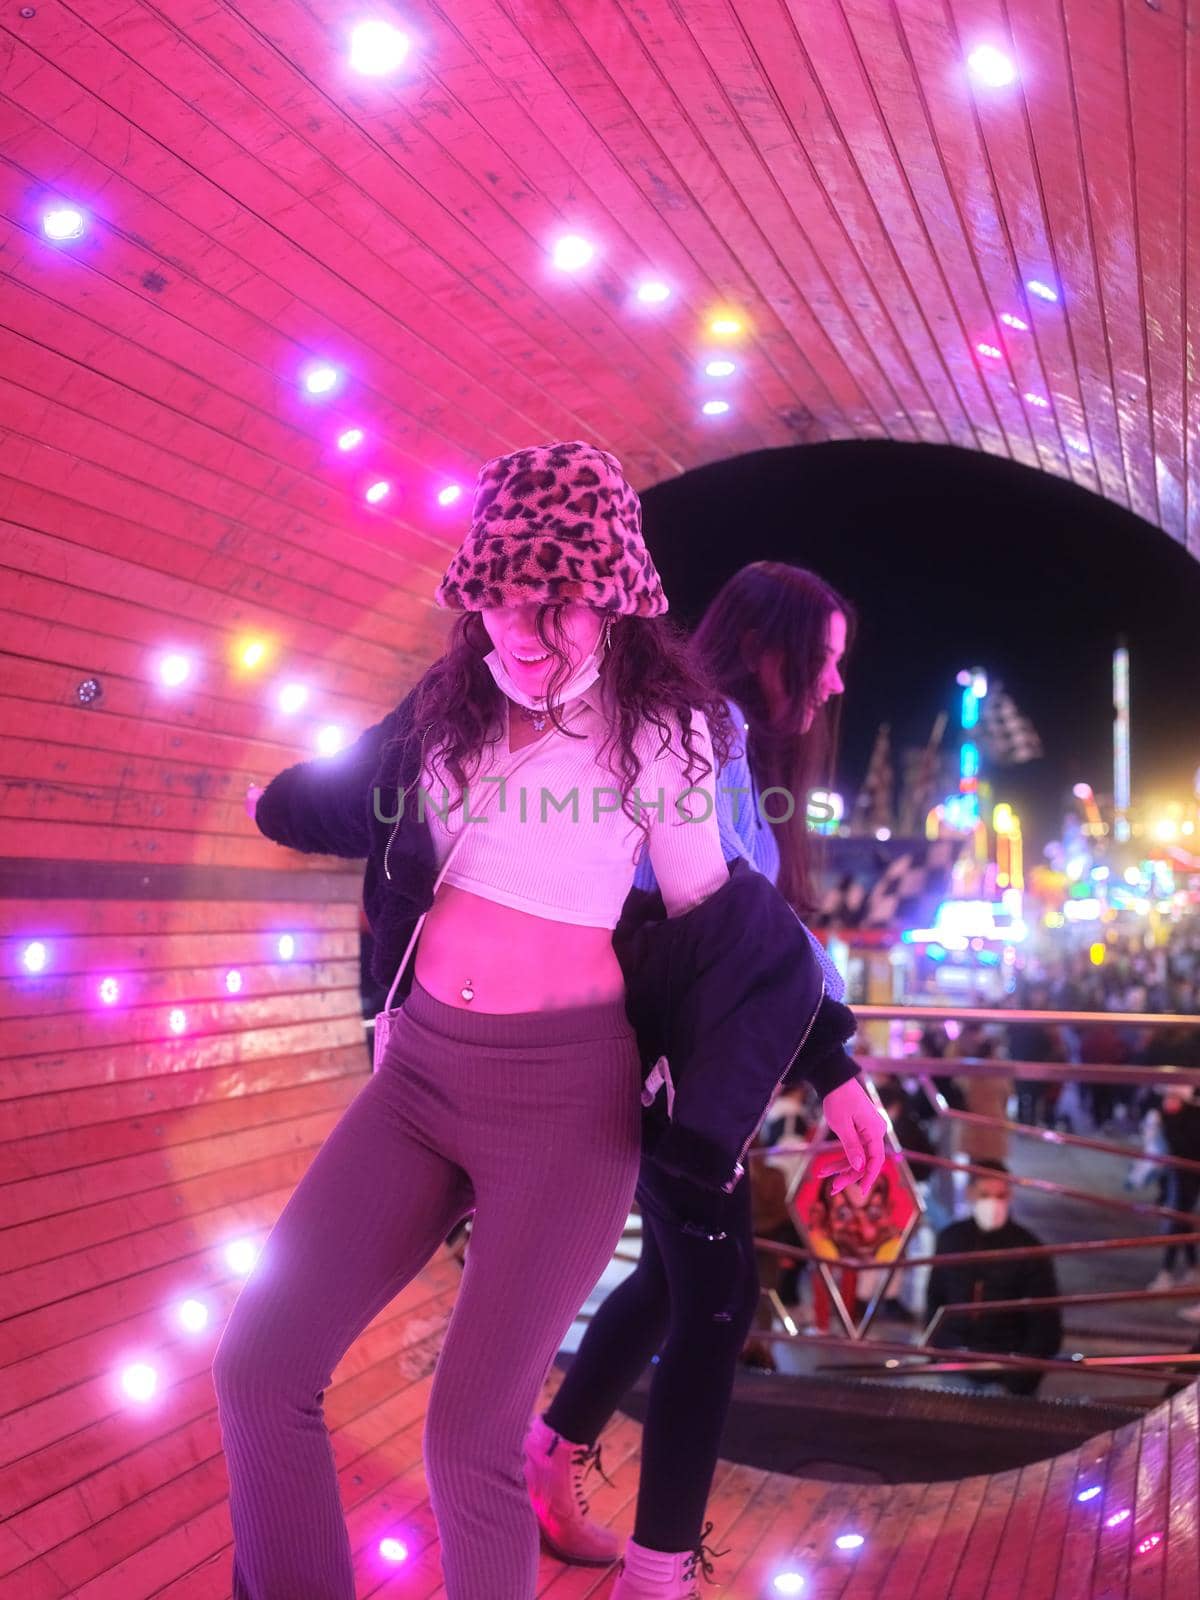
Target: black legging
x=692 y=1299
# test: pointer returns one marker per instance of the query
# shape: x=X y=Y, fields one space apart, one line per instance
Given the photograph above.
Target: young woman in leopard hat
x=511 y=1081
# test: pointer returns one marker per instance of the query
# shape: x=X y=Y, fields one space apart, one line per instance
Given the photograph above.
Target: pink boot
x=659 y=1575
x=554 y=1473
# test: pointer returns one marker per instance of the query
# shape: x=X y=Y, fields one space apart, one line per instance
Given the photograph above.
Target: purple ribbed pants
x=531 y=1120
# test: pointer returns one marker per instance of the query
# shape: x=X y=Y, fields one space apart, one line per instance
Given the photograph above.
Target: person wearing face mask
x=501 y=808
x=1033 y=1331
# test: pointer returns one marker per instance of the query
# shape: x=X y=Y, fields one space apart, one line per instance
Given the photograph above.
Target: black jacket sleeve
x=324 y=806
x=825 y=1062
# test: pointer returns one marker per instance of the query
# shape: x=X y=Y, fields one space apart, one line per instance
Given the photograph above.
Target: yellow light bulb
x=724 y=326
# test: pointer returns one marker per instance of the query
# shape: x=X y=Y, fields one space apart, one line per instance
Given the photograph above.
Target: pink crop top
x=553 y=840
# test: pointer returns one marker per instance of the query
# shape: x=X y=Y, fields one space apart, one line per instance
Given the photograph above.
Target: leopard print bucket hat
x=555 y=522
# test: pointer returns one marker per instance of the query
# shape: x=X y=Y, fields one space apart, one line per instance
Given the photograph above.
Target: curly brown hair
x=647 y=676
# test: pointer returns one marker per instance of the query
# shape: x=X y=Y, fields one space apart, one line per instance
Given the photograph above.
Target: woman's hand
x=858 y=1124
x=252 y=794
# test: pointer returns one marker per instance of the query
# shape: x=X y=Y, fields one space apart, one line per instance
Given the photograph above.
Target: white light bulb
x=653 y=293
x=173 y=670
x=376 y=48
x=139 y=1381
x=193 y=1315
x=241 y=1255
x=572 y=252
x=33 y=957
x=991 y=67
x=321 y=379
x=63 y=222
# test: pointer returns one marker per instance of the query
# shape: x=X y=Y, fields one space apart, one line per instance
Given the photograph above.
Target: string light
x=60 y=223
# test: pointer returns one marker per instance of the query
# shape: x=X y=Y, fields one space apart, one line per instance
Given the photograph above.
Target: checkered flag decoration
x=901 y=896
x=1007 y=736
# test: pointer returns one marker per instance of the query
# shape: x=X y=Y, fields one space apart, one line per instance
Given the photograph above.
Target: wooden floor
x=160 y=1527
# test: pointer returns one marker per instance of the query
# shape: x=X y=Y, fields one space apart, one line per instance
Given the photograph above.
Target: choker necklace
x=537 y=718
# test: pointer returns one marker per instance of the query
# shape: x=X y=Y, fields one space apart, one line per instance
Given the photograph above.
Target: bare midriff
x=511 y=960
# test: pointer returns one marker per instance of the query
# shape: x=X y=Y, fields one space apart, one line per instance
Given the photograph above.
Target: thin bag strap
x=521 y=755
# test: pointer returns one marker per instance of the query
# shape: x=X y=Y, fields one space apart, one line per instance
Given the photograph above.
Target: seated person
x=1036 y=1331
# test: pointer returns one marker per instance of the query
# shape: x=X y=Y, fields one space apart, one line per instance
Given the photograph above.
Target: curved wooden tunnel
x=905 y=253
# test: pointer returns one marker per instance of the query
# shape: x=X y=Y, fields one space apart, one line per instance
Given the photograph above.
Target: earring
x=608 y=628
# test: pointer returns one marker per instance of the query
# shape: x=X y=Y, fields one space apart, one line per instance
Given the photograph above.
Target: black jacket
x=730 y=992
x=1035 y=1332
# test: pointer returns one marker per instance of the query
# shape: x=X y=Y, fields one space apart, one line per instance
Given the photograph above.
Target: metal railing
x=902 y=1358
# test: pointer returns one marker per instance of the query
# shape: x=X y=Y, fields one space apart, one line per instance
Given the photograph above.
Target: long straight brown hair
x=775 y=606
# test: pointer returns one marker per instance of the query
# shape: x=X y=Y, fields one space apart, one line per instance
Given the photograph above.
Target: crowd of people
x=1134 y=978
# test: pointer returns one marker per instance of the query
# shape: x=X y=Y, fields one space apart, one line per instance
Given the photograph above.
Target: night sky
x=955 y=559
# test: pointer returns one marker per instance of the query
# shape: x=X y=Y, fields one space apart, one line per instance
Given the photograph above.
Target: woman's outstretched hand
x=252 y=794
x=858 y=1125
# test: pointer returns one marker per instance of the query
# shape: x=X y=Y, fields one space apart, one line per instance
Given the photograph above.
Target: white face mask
x=990 y=1214
x=582 y=678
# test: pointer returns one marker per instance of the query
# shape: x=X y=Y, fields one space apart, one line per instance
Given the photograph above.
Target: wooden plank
x=108 y=635
x=1019 y=1536
x=1148 y=1536
x=1156 y=91
x=807 y=60
x=1190 y=289
x=1081 y=1529
x=246 y=1144
x=810 y=230
x=1182 y=1570
x=911 y=1560
x=775 y=1497
x=886 y=1522
x=1114 y=1550
x=902 y=56
x=1096 y=44
x=781 y=285
x=945 y=1525
x=258 y=268
x=378 y=1485
x=85 y=1146
x=133 y=58
x=1039 y=357
x=121 y=1453
x=985 y=1541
